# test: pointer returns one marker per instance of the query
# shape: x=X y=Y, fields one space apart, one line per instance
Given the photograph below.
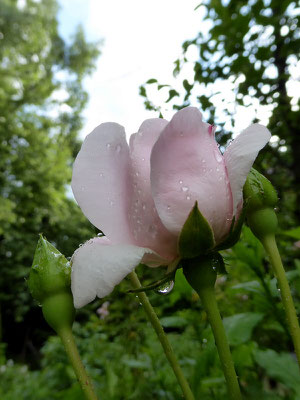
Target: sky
x=141 y=40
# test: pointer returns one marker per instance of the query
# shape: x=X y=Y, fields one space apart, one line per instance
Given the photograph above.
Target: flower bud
x=50 y=284
x=260 y=198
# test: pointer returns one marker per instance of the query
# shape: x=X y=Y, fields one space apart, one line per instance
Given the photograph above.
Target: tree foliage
x=253 y=47
x=41 y=99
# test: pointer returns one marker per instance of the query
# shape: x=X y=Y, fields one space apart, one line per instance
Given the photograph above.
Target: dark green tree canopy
x=41 y=100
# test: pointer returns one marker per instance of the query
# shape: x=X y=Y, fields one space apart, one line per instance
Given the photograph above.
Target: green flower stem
x=71 y=349
x=162 y=337
x=201 y=274
x=269 y=243
x=209 y=302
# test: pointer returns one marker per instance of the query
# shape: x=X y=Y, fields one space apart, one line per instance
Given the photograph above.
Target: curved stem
x=269 y=243
x=162 y=337
x=71 y=349
x=209 y=302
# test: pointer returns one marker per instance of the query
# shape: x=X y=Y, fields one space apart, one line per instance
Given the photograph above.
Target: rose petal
x=101 y=181
x=241 y=154
x=146 y=225
x=187 y=166
x=98 y=266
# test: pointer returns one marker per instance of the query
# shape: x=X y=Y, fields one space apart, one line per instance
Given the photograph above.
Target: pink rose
x=140 y=195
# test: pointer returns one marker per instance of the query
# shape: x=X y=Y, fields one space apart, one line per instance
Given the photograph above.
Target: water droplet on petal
x=108 y=145
x=101 y=174
x=166 y=288
x=188 y=197
x=168 y=207
x=118 y=148
x=111 y=203
x=181 y=182
x=218 y=155
x=144 y=206
x=184 y=188
x=203 y=160
x=137 y=174
x=153 y=231
x=143 y=159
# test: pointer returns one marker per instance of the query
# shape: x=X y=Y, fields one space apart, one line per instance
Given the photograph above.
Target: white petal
x=101 y=182
x=240 y=156
x=98 y=266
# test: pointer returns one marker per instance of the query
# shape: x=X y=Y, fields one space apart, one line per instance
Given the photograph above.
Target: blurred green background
x=39 y=140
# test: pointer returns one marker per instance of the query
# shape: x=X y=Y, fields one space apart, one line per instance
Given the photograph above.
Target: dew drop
x=144 y=206
x=137 y=174
x=101 y=174
x=218 y=169
x=218 y=155
x=204 y=170
x=152 y=230
x=203 y=161
x=118 y=148
x=184 y=188
x=168 y=207
x=220 y=178
x=108 y=145
x=181 y=182
x=188 y=197
x=143 y=159
x=111 y=203
x=166 y=288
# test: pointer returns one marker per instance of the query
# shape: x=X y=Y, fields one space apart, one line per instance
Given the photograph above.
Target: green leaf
x=239 y=327
x=143 y=92
x=172 y=93
x=293 y=233
x=279 y=366
x=173 y=322
x=196 y=236
x=150 y=81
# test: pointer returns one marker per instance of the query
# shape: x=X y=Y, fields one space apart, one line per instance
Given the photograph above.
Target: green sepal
x=50 y=284
x=259 y=192
x=50 y=272
x=196 y=236
x=234 y=233
x=155 y=285
x=201 y=272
